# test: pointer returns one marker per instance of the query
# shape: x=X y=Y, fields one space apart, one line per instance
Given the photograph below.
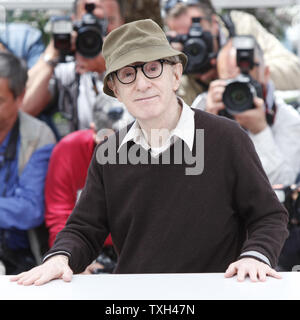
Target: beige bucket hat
x=138 y=41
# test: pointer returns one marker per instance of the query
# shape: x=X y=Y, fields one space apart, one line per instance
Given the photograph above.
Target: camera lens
x=89 y=42
x=196 y=51
x=238 y=97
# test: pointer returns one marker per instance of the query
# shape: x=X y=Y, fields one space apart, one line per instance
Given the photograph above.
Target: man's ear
x=112 y=87
x=177 y=74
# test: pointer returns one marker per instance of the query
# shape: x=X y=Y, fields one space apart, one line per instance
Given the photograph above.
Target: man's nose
x=142 y=82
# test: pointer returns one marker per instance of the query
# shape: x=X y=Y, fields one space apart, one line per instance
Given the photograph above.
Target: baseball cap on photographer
x=138 y=41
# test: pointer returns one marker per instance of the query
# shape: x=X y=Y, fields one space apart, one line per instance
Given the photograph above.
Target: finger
x=215 y=108
x=220 y=88
x=17 y=277
x=262 y=275
x=231 y=271
x=29 y=278
x=47 y=276
x=273 y=273
x=218 y=96
x=44 y=278
x=253 y=274
x=218 y=83
x=241 y=273
x=22 y=277
x=258 y=102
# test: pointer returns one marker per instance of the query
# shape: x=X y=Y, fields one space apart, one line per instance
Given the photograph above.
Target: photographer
x=25 y=148
x=73 y=87
x=273 y=126
x=284 y=66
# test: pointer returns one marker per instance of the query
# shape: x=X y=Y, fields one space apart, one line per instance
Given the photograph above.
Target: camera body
x=240 y=91
x=90 y=32
x=61 y=30
x=198 y=46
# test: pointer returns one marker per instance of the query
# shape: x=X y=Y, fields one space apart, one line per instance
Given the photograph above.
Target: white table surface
x=205 y=286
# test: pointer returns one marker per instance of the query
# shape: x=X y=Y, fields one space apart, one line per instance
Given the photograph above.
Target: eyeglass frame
x=135 y=67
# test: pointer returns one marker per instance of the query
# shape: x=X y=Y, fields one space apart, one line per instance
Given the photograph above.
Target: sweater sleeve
x=264 y=217
x=87 y=227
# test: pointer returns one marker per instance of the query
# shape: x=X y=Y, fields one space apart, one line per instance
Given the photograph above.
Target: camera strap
x=228 y=24
x=270 y=114
x=270 y=103
x=10 y=153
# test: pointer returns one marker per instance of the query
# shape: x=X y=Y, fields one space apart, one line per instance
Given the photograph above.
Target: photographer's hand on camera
x=175 y=45
x=214 y=102
x=84 y=65
x=253 y=120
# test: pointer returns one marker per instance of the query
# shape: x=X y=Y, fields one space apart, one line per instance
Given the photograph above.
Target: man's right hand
x=55 y=267
x=214 y=99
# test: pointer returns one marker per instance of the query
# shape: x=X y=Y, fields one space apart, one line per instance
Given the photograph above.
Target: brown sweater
x=164 y=221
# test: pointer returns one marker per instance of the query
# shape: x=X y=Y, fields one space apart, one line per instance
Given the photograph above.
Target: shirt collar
x=185 y=130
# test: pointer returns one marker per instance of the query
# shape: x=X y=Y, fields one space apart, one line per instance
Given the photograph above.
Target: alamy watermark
x=110 y=153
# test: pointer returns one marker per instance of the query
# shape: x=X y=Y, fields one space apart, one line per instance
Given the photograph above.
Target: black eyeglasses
x=151 y=70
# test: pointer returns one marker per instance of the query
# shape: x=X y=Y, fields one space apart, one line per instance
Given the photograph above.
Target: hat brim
x=144 y=54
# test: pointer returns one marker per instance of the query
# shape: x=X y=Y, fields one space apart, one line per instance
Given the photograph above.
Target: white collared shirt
x=184 y=130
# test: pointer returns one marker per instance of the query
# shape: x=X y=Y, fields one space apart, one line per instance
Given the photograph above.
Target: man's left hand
x=257 y=271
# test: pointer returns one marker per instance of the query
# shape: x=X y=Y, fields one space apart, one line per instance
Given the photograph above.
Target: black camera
x=198 y=46
x=239 y=92
x=90 y=32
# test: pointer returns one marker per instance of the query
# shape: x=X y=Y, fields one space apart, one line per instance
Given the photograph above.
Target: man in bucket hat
x=168 y=217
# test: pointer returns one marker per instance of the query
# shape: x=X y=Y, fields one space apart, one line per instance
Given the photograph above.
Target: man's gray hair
x=14 y=70
x=174 y=59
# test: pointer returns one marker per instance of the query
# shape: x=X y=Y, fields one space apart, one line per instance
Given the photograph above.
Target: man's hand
x=214 y=100
x=55 y=267
x=257 y=271
x=96 y=64
x=175 y=45
x=253 y=120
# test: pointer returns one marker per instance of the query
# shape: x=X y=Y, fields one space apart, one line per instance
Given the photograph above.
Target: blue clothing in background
x=23 y=40
x=22 y=207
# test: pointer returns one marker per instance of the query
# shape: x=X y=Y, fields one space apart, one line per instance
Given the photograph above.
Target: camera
x=239 y=92
x=198 y=46
x=61 y=29
x=90 y=32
